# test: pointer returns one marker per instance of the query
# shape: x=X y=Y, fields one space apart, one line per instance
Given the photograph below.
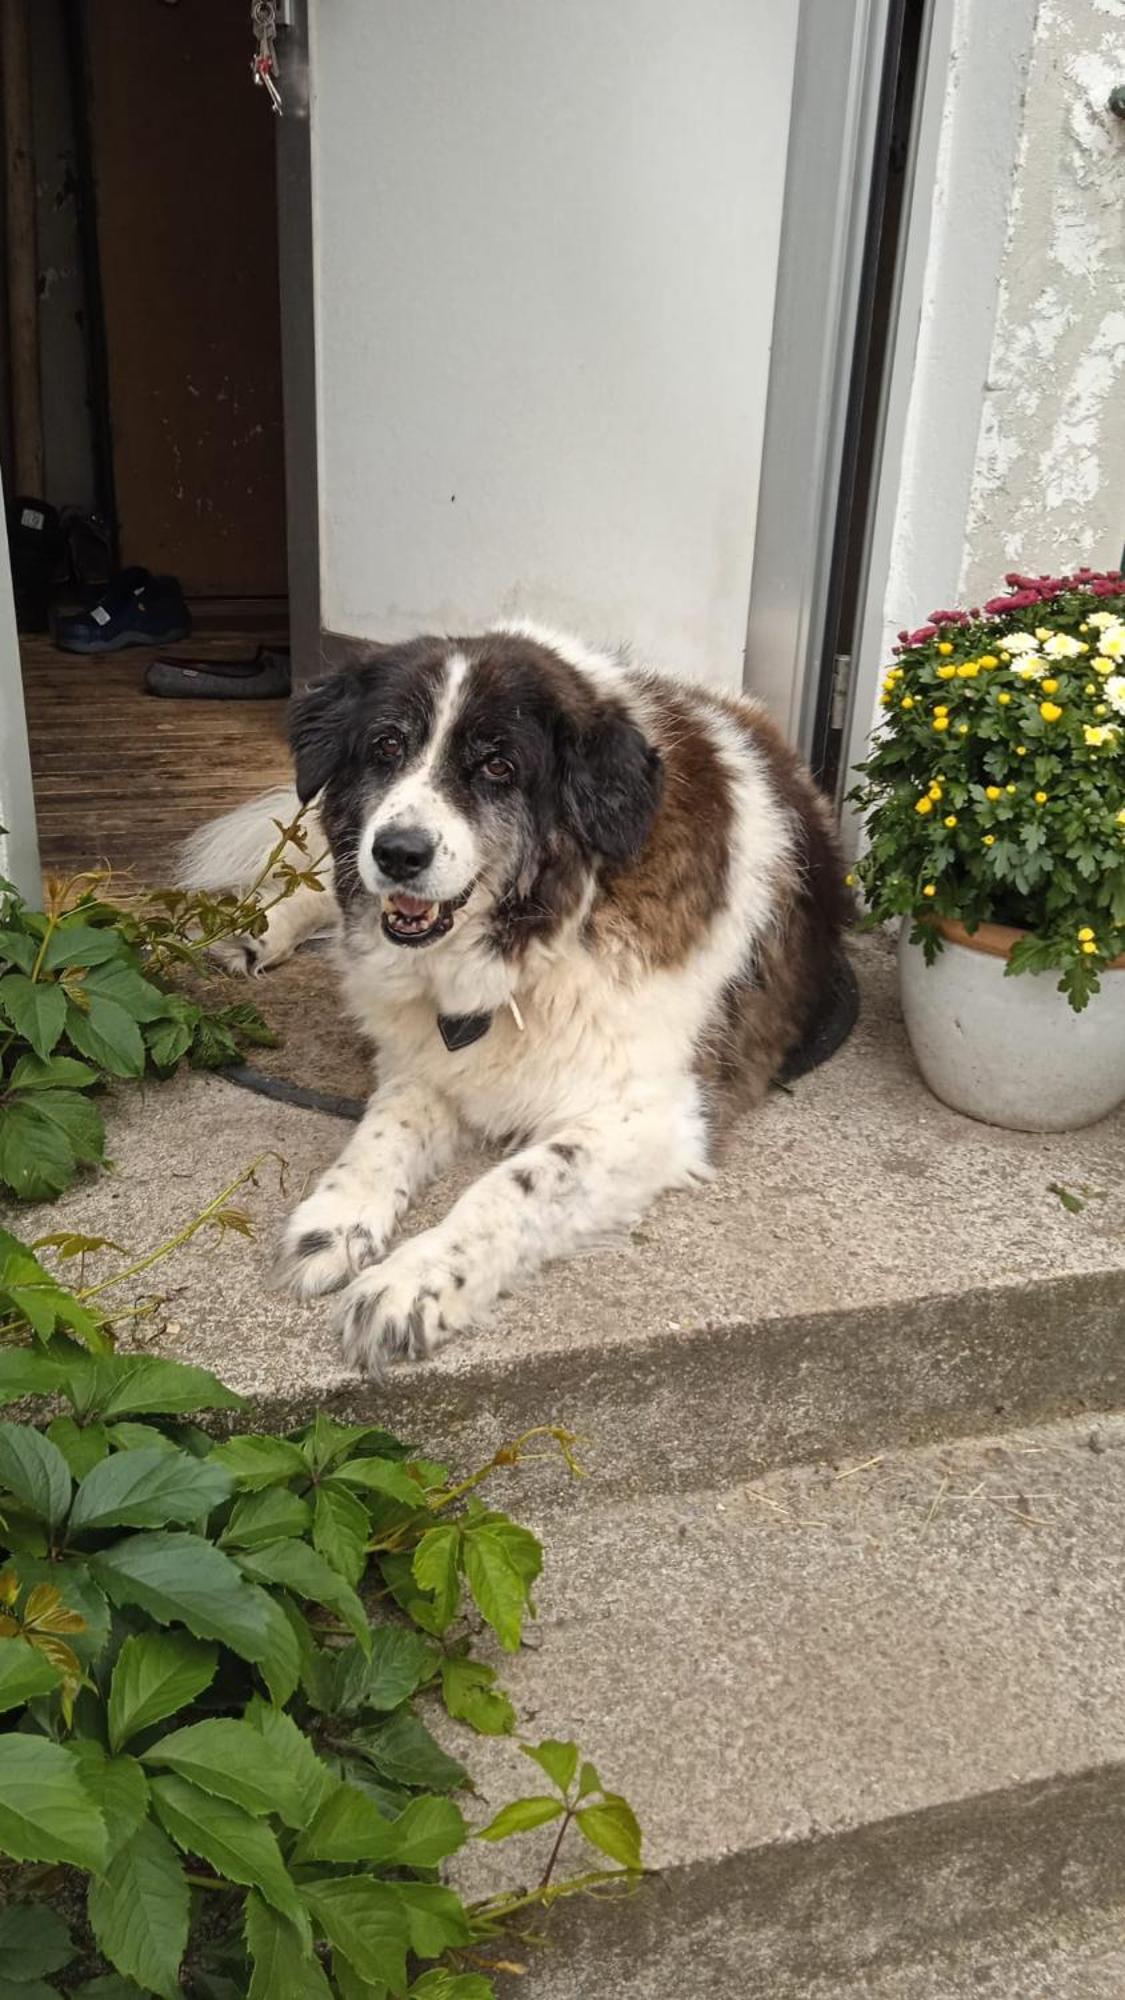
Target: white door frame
x=19 y=844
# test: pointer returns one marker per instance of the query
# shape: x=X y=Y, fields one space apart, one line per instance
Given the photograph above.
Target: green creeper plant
x=218 y=1654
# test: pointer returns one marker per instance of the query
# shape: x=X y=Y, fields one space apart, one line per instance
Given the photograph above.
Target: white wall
x=19 y=855
x=547 y=237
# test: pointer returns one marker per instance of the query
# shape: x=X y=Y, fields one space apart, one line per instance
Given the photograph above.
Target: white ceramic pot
x=1012 y=1052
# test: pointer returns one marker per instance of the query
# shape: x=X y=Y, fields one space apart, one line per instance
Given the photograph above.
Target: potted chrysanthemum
x=995 y=804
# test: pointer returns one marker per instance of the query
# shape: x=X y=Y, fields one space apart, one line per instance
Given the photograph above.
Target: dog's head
x=443 y=766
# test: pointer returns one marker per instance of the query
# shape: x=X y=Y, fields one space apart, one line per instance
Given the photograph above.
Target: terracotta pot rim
x=993 y=940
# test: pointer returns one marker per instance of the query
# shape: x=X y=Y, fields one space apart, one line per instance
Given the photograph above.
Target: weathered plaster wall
x=1048 y=487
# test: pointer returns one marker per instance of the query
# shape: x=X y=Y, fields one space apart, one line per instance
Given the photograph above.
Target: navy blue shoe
x=134 y=609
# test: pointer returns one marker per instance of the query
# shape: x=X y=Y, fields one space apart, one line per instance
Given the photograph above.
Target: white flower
x=1113 y=641
x=1063 y=647
x=1032 y=670
x=1019 y=642
x=1101 y=619
x=1115 y=692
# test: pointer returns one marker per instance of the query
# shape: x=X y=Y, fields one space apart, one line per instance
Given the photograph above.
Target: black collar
x=459 y=1031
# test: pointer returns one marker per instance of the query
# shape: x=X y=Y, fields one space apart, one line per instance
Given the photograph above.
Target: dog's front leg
x=588 y=1180
x=406 y=1136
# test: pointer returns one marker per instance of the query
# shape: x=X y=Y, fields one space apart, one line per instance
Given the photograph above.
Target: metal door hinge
x=841 y=689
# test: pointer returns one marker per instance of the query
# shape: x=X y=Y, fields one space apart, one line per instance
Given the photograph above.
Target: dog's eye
x=389 y=747
x=497 y=770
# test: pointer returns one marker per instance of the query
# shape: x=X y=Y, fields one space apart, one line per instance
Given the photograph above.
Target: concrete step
x=867 y=1716
x=867 y=1269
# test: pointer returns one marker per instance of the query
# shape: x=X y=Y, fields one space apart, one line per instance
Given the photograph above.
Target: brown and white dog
x=583 y=910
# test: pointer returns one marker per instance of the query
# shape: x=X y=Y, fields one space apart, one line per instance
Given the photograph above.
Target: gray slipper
x=264 y=678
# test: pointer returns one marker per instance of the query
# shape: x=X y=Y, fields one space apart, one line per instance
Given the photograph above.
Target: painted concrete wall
x=1049 y=480
x=546 y=252
x=19 y=854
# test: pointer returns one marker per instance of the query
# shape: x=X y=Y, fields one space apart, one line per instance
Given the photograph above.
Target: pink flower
x=923 y=633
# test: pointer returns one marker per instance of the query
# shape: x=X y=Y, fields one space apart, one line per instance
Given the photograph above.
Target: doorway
x=158 y=425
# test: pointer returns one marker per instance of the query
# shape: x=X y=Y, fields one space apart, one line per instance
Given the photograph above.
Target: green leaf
x=156 y=1675
x=612 y=1827
x=131 y=1436
x=285 y=1968
x=140 y=1912
x=350 y=1986
x=404 y=1751
x=298 y=1568
x=400 y=1661
x=182 y=1579
x=324 y=1442
x=32 y=1989
x=107 y=1036
x=341 y=1532
x=350 y=1827
x=435 y=1917
x=56 y=1073
x=27 y=1371
x=46 y=1813
x=379 y=1475
x=77 y=1120
x=35 y=1008
x=168 y=1042
x=498 y=1588
x=558 y=1760
x=34 y=1472
x=265 y=1517
x=109 y=1987
x=117 y=1785
x=257 y=1462
x=76 y=943
x=135 y=994
x=239 y=1848
x=365 y=1922
x=437 y=1568
x=136 y=1385
x=231 y=1760
x=34 y=1942
x=36 y=1161
x=76 y=1588
x=442 y=1985
x=19 y=949
x=24 y=1673
x=147 y=1489
x=469 y=1694
x=82 y=1446
x=522 y=1816
x=588 y=1781
x=288 y=1639
x=38 y=1295
x=292 y=1747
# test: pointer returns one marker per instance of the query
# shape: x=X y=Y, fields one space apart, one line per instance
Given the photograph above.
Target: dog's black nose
x=403 y=851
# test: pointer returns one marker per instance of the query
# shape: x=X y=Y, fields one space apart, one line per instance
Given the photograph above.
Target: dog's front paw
x=326 y=1242
x=403 y=1309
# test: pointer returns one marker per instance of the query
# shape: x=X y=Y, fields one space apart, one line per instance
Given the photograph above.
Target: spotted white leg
x=587 y=1181
x=299 y=916
x=406 y=1136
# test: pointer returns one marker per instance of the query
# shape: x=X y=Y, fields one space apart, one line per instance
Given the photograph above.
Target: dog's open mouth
x=411 y=920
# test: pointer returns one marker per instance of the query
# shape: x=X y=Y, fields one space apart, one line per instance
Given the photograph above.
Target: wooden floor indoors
x=120 y=777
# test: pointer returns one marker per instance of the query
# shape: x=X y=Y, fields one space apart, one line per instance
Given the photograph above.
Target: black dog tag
x=459 y=1031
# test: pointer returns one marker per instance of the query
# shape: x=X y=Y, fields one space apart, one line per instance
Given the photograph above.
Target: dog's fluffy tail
x=231 y=852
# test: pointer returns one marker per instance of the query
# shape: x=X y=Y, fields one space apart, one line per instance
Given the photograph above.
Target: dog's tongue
x=410 y=906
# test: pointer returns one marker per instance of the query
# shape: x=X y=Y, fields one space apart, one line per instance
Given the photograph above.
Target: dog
x=584 y=913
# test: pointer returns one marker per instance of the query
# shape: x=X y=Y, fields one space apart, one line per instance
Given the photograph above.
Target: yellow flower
x=1003 y=698
x=930 y=889
x=1050 y=687
x=1009 y=788
x=1121 y=819
x=941 y=708
x=849 y=881
x=1050 y=711
x=1090 y=948
x=951 y=819
x=923 y=805
x=992 y=791
x=1043 y=633
x=1089 y=688
x=907 y=701
x=1021 y=749
x=946 y=673
x=1040 y=798
x=963 y=729
x=989 y=660
x=941 y=722
x=1098 y=733
x=1100 y=708
x=935 y=789
x=970 y=670
x=945 y=648
x=1085 y=935
x=1083 y=627
x=990 y=840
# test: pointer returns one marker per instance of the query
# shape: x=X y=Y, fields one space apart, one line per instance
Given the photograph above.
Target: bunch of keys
x=263 y=65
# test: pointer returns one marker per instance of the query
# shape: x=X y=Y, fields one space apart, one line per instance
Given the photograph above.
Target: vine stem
x=498 y=1908
x=545 y=1878
x=183 y=1235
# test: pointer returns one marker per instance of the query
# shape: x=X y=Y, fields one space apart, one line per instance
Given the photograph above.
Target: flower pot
x=1011 y=1052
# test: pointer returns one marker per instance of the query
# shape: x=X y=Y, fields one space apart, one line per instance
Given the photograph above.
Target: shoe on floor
x=264 y=678
x=134 y=609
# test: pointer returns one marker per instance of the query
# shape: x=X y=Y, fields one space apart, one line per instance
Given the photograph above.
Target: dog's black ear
x=321 y=732
x=612 y=780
